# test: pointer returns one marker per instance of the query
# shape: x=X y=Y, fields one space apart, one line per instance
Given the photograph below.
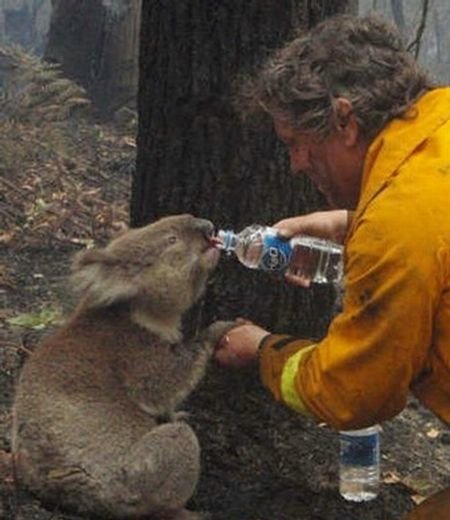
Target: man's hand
x=331 y=225
x=239 y=347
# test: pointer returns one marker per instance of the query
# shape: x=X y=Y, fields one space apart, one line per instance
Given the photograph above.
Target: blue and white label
x=276 y=254
x=360 y=450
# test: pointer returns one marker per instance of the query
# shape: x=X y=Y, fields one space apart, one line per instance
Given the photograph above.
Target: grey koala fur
x=95 y=427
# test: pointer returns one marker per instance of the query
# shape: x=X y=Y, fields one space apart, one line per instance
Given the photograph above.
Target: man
x=361 y=119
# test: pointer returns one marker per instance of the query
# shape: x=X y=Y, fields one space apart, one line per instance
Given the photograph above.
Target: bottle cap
x=226 y=240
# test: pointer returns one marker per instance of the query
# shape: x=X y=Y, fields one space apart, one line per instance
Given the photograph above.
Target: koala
x=95 y=423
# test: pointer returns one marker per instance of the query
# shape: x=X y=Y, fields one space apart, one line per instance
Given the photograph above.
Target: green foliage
x=32 y=90
x=36 y=105
x=36 y=320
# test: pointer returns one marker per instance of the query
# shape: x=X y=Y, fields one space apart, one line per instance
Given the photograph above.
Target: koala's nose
x=204 y=226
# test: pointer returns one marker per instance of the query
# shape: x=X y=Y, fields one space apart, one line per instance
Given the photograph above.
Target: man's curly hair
x=361 y=59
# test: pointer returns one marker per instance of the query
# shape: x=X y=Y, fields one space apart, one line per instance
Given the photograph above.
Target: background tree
x=439 y=41
x=25 y=23
x=96 y=43
x=423 y=24
x=398 y=14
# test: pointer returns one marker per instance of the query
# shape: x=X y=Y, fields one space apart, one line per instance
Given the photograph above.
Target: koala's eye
x=172 y=239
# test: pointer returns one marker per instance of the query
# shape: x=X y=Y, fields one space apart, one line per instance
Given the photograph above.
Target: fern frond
x=31 y=87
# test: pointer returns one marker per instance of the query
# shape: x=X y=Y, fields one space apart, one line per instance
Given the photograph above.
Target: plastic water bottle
x=359 y=467
x=261 y=247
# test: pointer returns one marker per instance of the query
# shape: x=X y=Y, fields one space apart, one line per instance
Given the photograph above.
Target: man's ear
x=346 y=124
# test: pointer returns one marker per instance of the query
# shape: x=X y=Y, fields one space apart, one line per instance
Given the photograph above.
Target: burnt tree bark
x=195 y=156
x=96 y=43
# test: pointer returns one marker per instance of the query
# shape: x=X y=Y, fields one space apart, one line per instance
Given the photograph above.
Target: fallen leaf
x=433 y=433
x=5 y=238
x=391 y=478
x=417 y=499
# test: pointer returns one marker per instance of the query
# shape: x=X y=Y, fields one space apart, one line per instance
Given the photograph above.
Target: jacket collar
x=398 y=140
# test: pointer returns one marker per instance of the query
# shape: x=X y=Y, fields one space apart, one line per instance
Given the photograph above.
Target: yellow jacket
x=393 y=335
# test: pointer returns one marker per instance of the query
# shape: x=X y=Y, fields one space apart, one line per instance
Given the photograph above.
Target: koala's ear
x=99 y=277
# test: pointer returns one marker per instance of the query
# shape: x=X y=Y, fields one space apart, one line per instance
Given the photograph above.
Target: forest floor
x=260 y=460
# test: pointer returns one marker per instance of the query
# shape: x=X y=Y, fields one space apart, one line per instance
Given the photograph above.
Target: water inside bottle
x=316 y=260
x=359 y=484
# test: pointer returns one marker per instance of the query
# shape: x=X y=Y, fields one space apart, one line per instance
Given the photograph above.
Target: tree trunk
x=441 y=18
x=24 y=23
x=194 y=155
x=399 y=17
x=96 y=42
x=437 y=33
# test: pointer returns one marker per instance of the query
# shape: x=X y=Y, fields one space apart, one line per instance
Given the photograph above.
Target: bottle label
x=276 y=254
x=359 y=450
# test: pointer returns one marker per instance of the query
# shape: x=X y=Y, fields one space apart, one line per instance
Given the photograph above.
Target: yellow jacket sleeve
x=280 y=358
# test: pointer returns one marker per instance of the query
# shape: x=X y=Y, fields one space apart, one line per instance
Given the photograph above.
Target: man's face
x=334 y=164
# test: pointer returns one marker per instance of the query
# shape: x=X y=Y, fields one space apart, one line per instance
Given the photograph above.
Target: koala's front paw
x=217 y=330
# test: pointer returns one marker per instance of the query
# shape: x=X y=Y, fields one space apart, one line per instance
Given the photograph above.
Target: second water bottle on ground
x=261 y=247
x=359 y=464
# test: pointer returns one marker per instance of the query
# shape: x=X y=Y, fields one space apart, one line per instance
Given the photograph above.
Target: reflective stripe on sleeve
x=289 y=390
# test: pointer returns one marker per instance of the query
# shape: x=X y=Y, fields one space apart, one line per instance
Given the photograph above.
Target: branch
x=415 y=44
x=399 y=17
